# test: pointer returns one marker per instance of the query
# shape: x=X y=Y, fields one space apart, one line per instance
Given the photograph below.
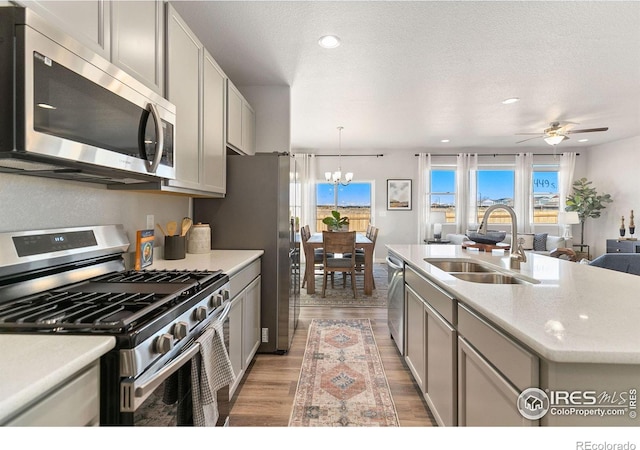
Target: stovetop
x=115 y=303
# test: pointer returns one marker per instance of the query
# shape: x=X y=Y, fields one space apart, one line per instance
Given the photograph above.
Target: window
x=546 y=195
x=353 y=201
x=495 y=186
x=442 y=197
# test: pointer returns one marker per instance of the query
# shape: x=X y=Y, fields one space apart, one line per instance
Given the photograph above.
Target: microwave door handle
x=152 y=166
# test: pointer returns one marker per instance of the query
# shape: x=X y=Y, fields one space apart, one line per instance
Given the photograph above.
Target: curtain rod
x=378 y=155
x=496 y=154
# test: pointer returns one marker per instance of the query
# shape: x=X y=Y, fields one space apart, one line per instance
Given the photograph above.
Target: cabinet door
x=235 y=340
x=234 y=116
x=251 y=322
x=87 y=21
x=137 y=40
x=485 y=397
x=184 y=57
x=214 y=149
x=248 y=129
x=441 y=371
x=415 y=356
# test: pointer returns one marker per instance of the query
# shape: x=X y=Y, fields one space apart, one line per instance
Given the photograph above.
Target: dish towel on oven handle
x=210 y=371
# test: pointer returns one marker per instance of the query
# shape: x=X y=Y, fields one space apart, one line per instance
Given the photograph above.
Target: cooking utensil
x=172 y=227
x=186 y=224
x=161 y=229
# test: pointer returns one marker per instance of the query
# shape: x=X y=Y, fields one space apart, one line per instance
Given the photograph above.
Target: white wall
x=29 y=203
x=613 y=168
x=395 y=227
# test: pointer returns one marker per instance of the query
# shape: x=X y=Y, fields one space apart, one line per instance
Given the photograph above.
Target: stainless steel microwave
x=66 y=112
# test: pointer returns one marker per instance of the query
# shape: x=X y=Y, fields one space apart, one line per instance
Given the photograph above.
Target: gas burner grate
x=158 y=276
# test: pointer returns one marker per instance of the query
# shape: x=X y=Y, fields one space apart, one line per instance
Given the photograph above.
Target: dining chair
x=372 y=234
x=318 y=254
x=339 y=243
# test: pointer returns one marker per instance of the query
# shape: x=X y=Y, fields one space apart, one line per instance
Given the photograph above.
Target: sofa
x=542 y=243
x=621 y=262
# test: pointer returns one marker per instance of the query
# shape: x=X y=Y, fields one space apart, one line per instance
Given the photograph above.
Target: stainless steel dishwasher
x=395 y=299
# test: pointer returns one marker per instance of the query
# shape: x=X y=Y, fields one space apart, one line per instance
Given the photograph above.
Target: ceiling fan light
x=554 y=140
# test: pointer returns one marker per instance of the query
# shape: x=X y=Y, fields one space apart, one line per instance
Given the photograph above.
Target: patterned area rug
x=339 y=296
x=342 y=381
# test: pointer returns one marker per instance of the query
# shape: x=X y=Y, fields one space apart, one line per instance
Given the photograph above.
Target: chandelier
x=336 y=177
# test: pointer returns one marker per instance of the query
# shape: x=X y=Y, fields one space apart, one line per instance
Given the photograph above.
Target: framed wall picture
x=399 y=195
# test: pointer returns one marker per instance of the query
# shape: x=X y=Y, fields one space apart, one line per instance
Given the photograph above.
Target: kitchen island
x=568 y=329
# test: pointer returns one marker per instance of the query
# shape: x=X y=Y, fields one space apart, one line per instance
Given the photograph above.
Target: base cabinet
x=492 y=372
x=75 y=403
x=244 y=320
x=441 y=371
x=415 y=337
x=486 y=398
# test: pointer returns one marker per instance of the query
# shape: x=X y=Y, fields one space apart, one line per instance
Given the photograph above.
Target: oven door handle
x=146 y=388
x=221 y=313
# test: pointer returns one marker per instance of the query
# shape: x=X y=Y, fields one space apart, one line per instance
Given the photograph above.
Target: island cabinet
x=244 y=319
x=431 y=344
x=493 y=370
x=129 y=34
x=197 y=87
x=241 y=122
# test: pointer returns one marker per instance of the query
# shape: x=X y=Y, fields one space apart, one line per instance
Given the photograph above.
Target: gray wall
x=29 y=203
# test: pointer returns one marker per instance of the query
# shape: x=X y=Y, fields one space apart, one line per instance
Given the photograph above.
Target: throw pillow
x=527 y=243
x=540 y=242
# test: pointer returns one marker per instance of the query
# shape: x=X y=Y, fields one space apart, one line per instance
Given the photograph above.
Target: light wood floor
x=265 y=397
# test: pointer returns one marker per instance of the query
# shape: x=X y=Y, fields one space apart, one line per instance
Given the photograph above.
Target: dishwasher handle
x=392 y=263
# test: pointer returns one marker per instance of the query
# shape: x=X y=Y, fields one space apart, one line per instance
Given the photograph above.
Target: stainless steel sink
x=468 y=270
x=460 y=266
x=488 y=277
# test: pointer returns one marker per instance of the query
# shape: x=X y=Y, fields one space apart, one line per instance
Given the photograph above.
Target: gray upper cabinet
x=196 y=85
x=241 y=122
x=137 y=40
x=87 y=21
x=130 y=34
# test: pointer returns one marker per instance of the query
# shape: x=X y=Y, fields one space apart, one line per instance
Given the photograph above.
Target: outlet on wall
x=151 y=222
x=265 y=335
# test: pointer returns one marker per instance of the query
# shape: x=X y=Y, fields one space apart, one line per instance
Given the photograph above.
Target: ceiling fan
x=557 y=132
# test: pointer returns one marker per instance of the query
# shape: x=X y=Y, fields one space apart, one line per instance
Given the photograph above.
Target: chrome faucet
x=517 y=252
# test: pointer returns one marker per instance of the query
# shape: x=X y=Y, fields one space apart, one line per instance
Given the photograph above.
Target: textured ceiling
x=409 y=74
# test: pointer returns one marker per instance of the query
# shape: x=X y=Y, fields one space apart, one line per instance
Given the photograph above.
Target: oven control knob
x=216 y=300
x=164 y=343
x=180 y=330
x=200 y=313
x=226 y=294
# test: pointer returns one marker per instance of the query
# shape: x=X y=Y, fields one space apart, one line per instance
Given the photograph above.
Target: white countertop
x=32 y=365
x=229 y=261
x=576 y=313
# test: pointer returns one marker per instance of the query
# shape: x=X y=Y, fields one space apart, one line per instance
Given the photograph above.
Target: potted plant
x=335 y=222
x=586 y=201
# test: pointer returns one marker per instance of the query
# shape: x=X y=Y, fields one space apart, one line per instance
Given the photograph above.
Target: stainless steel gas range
x=74 y=281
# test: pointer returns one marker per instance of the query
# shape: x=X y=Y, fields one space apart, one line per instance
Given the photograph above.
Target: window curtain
x=523 y=206
x=424 y=203
x=466 y=187
x=565 y=177
x=307 y=170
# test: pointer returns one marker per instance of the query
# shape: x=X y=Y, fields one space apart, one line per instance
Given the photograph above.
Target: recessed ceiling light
x=444 y=141
x=329 y=41
x=510 y=100
x=583 y=140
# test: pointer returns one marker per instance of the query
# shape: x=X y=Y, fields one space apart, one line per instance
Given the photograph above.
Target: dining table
x=362 y=242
